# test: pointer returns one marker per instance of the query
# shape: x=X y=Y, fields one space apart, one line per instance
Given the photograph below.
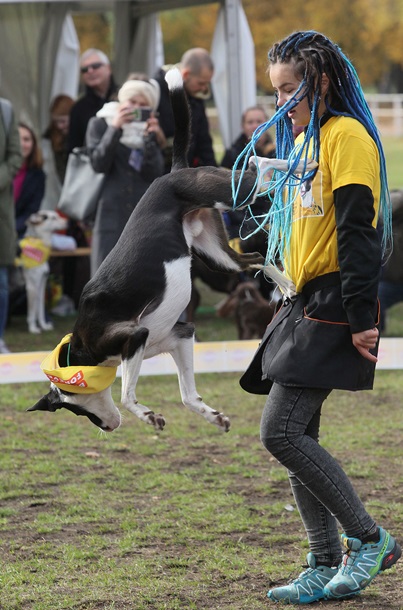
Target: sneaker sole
x=304 y=599
x=387 y=562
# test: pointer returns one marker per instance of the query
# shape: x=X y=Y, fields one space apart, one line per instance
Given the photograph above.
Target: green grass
x=394 y=153
x=189 y=518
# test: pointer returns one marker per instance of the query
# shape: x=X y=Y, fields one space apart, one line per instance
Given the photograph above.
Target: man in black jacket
x=100 y=88
x=197 y=70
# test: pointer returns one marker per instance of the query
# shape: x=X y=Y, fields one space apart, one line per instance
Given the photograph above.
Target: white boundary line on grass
x=209 y=357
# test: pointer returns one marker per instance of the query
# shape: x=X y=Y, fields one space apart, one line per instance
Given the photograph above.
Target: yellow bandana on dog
x=77 y=379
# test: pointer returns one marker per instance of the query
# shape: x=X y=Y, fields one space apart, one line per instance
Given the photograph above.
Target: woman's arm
x=102 y=141
x=359 y=254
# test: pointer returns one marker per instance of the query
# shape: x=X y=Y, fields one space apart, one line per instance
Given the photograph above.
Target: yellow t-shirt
x=348 y=155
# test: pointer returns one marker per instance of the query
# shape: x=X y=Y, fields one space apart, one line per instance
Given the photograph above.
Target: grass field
x=394 y=161
x=187 y=519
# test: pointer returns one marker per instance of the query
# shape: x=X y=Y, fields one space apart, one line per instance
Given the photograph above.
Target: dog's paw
x=35 y=330
x=155 y=419
x=47 y=326
x=222 y=421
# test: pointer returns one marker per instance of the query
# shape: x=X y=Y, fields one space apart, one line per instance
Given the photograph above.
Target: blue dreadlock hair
x=313 y=55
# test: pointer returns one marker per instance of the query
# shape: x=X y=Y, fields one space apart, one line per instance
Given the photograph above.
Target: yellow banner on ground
x=209 y=357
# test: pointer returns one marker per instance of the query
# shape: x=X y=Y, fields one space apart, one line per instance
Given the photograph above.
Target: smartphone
x=141 y=114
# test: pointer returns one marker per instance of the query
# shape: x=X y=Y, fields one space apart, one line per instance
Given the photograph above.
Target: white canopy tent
x=40 y=52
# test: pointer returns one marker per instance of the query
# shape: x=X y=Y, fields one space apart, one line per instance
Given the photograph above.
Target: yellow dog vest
x=33 y=252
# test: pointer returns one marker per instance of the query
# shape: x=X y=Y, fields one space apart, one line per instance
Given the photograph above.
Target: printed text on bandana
x=77 y=379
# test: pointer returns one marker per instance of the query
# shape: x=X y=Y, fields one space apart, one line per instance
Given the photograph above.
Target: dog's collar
x=77 y=379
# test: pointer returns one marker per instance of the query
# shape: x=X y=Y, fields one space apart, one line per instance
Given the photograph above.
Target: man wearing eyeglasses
x=100 y=87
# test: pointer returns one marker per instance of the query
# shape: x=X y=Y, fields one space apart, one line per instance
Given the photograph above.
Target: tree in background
x=369 y=32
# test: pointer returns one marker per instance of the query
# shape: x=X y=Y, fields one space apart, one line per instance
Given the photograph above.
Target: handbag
x=81 y=187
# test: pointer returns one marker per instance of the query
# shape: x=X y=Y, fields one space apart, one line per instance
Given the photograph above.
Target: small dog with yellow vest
x=35 y=251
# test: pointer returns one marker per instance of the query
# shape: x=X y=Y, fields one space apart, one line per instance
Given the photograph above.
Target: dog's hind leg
x=182 y=353
x=131 y=363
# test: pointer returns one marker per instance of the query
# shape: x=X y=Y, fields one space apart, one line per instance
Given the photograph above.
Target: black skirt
x=308 y=344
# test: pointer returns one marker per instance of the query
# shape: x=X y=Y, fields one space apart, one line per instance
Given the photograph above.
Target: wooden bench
x=77 y=252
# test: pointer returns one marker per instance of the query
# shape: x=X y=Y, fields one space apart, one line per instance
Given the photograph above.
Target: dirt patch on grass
x=229 y=592
x=187 y=520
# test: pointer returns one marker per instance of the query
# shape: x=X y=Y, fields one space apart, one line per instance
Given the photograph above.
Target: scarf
x=133 y=133
x=77 y=379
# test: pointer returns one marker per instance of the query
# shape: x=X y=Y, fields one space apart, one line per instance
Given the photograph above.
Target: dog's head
x=98 y=407
x=79 y=385
x=44 y=223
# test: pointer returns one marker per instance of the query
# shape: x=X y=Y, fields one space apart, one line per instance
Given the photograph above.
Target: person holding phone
x=125 y=142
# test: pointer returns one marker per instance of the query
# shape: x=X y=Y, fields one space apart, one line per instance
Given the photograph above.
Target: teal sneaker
x=307 y=588
x=361 y=563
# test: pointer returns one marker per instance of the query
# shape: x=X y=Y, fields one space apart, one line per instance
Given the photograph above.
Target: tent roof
x=42 y=52
x=139 y=7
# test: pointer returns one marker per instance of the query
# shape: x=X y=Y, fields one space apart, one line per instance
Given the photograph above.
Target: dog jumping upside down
x=129 y=310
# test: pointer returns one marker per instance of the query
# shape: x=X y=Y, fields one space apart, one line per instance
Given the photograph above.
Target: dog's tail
x=181 y=112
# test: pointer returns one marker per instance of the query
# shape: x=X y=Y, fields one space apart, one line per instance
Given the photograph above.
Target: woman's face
x=285 y=84
x=253 y=118
x=62 y=122
x=26 y=141
x=137 y=101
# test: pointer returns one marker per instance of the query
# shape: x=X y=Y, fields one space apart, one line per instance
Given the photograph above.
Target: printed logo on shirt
x=306 y=205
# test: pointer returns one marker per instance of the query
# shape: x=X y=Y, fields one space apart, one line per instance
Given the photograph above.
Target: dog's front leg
x=130 y=374
x=41 y=309
x=31 y=283
x=182 y=353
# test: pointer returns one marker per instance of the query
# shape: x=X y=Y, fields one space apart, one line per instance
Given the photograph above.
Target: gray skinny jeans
x=322 y=491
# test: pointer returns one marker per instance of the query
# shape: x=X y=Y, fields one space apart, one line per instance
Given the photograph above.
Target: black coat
x=86 y=107
x=201 y=150
x=29 y=201
x=123 y=187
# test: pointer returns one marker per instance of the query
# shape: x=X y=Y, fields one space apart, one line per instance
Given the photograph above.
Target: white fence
x=209 y=357
x=387 y=110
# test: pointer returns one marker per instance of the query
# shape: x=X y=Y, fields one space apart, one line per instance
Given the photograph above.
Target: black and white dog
x=129 y=310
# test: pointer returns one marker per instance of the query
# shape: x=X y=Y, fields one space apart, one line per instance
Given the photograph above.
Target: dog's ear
x=49 y=402
x=35 y=219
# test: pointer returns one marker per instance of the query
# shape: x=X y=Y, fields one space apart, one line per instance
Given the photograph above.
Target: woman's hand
x=364 y=341
x=123 y=115
x=153 y=126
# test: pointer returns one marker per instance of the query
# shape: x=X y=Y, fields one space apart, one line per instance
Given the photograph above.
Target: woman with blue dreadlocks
x=327 y=189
